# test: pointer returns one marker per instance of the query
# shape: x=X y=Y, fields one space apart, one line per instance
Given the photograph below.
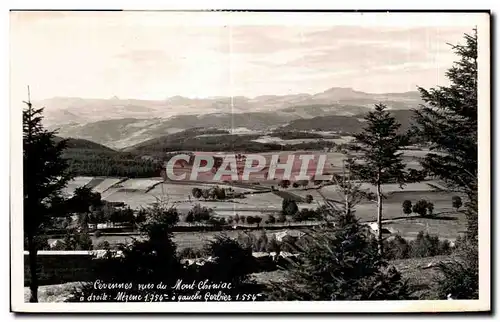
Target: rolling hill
x=345 y=124
x=82 y=144
x=120 y=123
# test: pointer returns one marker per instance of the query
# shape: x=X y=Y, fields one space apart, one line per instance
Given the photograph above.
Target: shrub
x=248 y=240
x=190 y=253
x=75 y=240
x=460 y=277
x=304 y=215
x=236 y=218
x=424 y=245
x=233 y=262
x=97 y=233
x=309 y=198
x=456 y=202
x=270 y=219
x=430 y=209
x=141 y=216
x=303 y=183
x=420 y=207
x=122 y=216
x=197 y=193
x=444 y=247
x=257 y=220
x=295 y=185
x=216 y=221
x=407 y=207
x=281 y=218
x=103 y=245
x=189 y=217
x=397 y=248
x=220 y=193
x=199 y=213
x=273 y=245
x=289 y=244
x=284 y=184
x=289 y=207
x=262 y=241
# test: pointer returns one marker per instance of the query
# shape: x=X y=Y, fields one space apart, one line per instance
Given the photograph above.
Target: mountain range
x=119 y=123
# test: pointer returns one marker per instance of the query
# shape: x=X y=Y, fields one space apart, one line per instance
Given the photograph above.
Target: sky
x=156 y=55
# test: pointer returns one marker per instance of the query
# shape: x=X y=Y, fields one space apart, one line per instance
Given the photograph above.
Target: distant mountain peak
x=340 y=89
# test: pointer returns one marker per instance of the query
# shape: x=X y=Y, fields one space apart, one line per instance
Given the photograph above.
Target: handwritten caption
x=158 y=292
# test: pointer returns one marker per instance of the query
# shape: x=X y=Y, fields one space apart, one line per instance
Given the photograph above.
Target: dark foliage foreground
x=154 y=264
x=341 y=263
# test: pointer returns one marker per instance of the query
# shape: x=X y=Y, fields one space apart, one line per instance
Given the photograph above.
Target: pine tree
x=341 y=262
x=44 y=175
x=374 y=156
x=448 y=122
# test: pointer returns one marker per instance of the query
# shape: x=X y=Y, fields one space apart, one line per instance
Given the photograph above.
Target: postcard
x=226 y=161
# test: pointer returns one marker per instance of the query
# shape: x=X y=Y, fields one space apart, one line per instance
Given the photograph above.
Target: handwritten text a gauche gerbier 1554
x=208 y=291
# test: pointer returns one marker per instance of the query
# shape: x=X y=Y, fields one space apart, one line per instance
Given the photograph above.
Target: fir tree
x=374 y=156
x=44 y=175
x=341 y=262
x=448 y=122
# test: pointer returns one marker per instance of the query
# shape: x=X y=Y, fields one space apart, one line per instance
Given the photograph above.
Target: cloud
x=156 y=55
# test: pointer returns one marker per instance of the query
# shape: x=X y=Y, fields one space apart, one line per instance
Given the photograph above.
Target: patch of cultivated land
x=76 y=183
x=106 y=184
x=139 y=184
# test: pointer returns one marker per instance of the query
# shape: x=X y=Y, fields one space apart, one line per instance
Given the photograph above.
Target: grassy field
x=447 y=224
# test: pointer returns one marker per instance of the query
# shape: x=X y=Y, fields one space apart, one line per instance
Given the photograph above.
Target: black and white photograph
x=225 y=161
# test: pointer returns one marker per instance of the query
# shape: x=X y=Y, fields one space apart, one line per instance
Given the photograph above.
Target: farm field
x=138 y=184
x=138 y=193
x=133 y=193
x=196 y=240
x=389 y=189
x=75 y=183
x=105 y=184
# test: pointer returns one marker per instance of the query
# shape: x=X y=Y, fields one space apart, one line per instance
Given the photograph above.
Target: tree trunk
x=379 y=220
x=33 y=270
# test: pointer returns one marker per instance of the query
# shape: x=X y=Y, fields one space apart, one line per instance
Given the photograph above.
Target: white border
x=348 y=306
